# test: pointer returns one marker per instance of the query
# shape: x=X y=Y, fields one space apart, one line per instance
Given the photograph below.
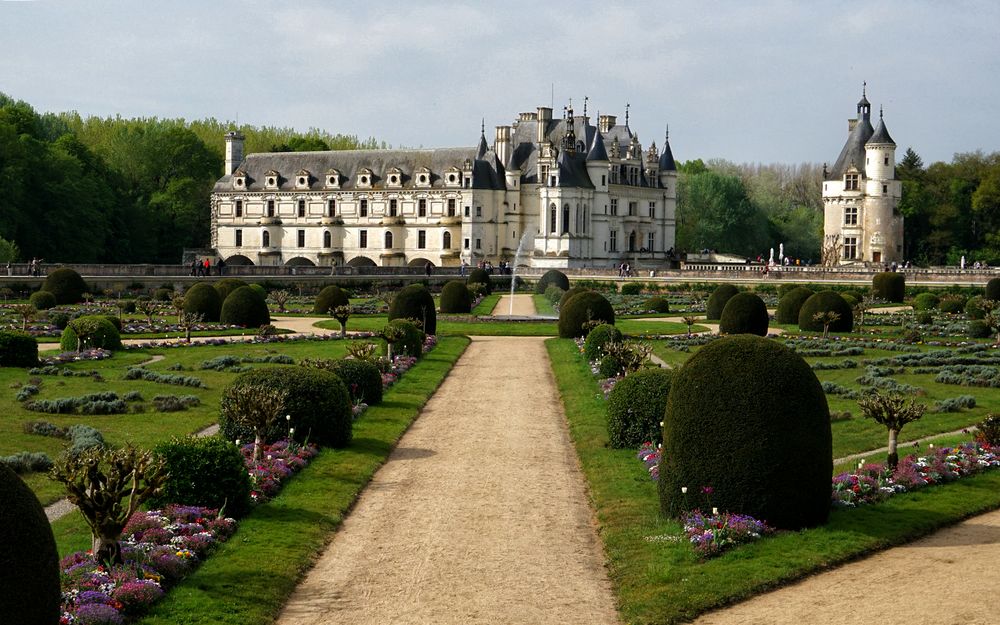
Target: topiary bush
x=826 y=301
x=479 y=276
x=581 y=308
x=42 y=300
x=974 y=308
x=203 y=299
x=952 y=304
x=66 y=285
x=329 y=298
x=226 y=286
x=717 y=301
x=316 y=400
x=415 y=302
x=745 y=313
x=552 y=277
x=456 y=298
x=786 y=288
x=96 y=332
x=926 y=301
x=554 y=294
x=636 y=406
x=993 y=289
x=245 y=307
x=857 y=295
x=163 y=294
x=362 y=377
x=889 y=286
x=631 y=288
x=260 y=290
x=570 y=293
x=791 y=303
x=18 y=349
x=747 y=418
x=412 y=341
x=204 y=471
x=29 y=562
x=979 y=329
x=597 y=338
x=114 y=320
x=658 y=304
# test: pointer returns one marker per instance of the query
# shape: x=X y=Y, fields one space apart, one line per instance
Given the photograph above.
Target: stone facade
x=862 y=223
x=568 y=193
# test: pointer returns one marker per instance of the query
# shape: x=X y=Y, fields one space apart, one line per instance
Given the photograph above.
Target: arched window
x=388 y=240
x=265 y=239
x=631 y=241
x=446 y=240
x=552 y=219
x=565 y=224
x=327 y=239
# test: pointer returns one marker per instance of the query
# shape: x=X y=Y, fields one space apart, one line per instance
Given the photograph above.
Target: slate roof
x=597 y=150
x=667 y=158
x=881 y=134
x=854 y=150
x=573 y=170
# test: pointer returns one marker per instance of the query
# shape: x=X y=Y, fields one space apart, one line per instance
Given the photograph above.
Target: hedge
x=415 y=302
x=826 y=301
x=552 y=277
x=889 y=286
x=42 y=300
x=745 y=313
x=66 y=285
x=245 y=307
x=204 y=471
x=18 y=349
x=203 y=299
x=456 y=298
x=479 y=276
x=105 y=336
x=581 y=309
x=791 y=303
x=717 y=301
x=636 y=406
x=597 y=338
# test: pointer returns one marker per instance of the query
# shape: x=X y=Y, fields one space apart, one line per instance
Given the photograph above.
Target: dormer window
x=239 y=179
x=365 y=177
x=395 y=177
x=271 y=179
x=453 y=177
x=302 y=179
x=851 y=182
x=423 y=177
x=332 y=179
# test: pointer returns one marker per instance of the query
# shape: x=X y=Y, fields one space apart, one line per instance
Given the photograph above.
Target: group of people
x=624 y=270
x=203 y=267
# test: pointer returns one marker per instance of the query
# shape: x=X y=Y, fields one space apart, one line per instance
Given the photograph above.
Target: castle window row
x=388 y=239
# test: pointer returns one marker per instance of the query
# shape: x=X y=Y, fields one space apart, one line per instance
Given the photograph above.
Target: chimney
x=502 y=143
x=544 y=116
x=606 y=122
x=851 y=123
x=234 y=151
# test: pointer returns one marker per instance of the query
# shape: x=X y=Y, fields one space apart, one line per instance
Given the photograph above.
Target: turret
x=234 y=151
x=668 y=168
x=597 y=161
x=880 y=153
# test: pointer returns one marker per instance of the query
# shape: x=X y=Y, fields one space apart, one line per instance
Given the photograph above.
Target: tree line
x=119 y=190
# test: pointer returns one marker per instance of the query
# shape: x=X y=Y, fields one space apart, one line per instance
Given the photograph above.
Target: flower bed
x=278 y=461
x=712 y=534
x=159 y=548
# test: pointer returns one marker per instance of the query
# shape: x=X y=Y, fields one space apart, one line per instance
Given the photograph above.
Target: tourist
x=194 y=267
x=10 y=270
x=208 y=267
x=462 y=268
x=221 y=266
x=428 y=267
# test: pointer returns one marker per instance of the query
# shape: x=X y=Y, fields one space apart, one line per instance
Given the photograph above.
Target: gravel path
x=524 y=306
x=479 y=516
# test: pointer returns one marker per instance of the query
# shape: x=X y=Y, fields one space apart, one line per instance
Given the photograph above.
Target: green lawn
x=655 y=573
x=447 y=327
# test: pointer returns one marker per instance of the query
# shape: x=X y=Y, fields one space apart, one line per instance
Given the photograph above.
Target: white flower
x=291 y=431
x=684 y=490
x=237 y=442
x=715 y=511
x=288 y=417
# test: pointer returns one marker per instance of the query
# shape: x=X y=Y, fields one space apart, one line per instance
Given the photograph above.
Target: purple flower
x=98 y=614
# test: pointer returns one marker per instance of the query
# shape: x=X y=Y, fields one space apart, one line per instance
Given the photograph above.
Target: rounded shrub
x=631 y=288
x=857 y=295
x=58 y=319
x=329 y=298
x=18 y=349
x=926 y=301
x=29 y=562
x=245 y=307
x=745 y=313
x=552 y=277
x=582 y=308
x=786 y=288
x=415 y=302
x=979 y=329
x=924 y=317
x=791 y=303
x=316 y=400
x=66 y=285
x=163 y=294
x=889 y=286
x=993 y=289
x=636 y=406
x=658 y=304
x=826 y=301
x=747 y=418
x=456 y=298
x=479 y=276
x=226 y=286
x=203 y=299
x=42 y=300
x=598 y=337
x=115 y=321
x=554 y=294
x=412 y=341
x=952 y=304
x=204 y=471
x=717 y=301
x=570 y=293
x=260 y=290
x=362 y=377
x=96 y=331
x=974 y=308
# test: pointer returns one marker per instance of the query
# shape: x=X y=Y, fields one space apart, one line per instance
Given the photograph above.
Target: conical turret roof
x=881 y=134
x=667 y=157
x=597 y=150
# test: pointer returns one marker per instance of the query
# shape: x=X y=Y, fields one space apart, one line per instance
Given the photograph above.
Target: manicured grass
x=374 y=323
x=543 y=306
x=656 y=575
x=248 y=580
x=486 y=306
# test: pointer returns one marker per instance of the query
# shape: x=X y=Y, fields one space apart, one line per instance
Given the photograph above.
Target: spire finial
x=627 y=105
x=864 y=89
x=585 y=99
x=666 y=134
x=880 y=111
x=482 y=127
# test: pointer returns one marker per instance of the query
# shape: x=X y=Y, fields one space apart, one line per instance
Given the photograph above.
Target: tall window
x=466 y=244
x=565 y=221
x=301 y=238
x=270 y=208
x=363 y=208
x=451 y=207
x=421 y=239
x=850 y=215
x=631 y=241
x=851 y=182
x=302 y=208
x=466 y=211
x=239 y=208
x=652 y=209
x=850 y=247
x=239 y=238
x=446 y=241
x=613 y=241
x=633 y=208
x=651 y=241
x=614 y=206
x=327 y=239
x=265 y=239
x=331 y=208
x=363 y=239
x=479 y=244
x=479 y=211
x=388 y=240
x=552 y=219
x=392 y=208
x=421 y=208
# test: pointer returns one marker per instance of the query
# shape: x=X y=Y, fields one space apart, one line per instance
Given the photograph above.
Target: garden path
x=904 y=447
x=480 y=515
x=524 y=306
x=948 y=577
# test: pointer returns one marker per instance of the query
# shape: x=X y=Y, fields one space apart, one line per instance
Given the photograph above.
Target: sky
x=769 y=81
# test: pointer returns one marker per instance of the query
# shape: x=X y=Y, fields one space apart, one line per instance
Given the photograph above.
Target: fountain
x=513 y=271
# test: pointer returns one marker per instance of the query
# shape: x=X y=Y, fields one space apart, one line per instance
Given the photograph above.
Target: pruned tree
x=109 y=486
x=280 y=299
x=26 y=312
x=147 y=308
x=893 y=411
x=254 y=407
x=689 y=320
x=342 y=314
x=827 y=318
x=833 y=247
